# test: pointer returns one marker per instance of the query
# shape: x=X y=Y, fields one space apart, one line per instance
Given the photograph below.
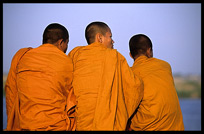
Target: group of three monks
x=91 y=88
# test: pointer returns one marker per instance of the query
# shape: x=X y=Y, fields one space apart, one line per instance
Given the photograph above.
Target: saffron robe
x=159 y=109
x=39 y=94
x=107 y=92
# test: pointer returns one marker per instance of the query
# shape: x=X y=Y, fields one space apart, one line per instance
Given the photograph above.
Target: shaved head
x=93 y=28
x=53 y=32
x=139 y=44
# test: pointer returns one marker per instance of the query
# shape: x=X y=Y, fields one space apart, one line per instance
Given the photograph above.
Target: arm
x=10 y=86
x=133 y=87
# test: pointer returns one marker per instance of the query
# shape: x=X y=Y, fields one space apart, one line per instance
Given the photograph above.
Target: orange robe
x=159 y=109
x=38 y=89
x=107 y=91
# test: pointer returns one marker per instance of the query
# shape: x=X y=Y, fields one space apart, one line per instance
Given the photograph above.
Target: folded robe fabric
x=159 y=109
x=11 y=91
x=107 y=92
x=38 y=90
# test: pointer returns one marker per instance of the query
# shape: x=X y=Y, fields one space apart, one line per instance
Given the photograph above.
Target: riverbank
x=188 y=86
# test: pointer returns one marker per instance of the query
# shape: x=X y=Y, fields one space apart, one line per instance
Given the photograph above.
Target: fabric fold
x=106 y=89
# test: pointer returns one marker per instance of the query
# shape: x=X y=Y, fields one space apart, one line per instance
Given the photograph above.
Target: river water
x=191 y=110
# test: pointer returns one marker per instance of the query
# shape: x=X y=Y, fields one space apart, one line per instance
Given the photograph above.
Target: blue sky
x=175 y=29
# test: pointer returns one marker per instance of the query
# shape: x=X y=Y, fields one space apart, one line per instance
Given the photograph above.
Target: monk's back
x=89 y=63
x=159 y=109
x=87 y=79
x=41 y=83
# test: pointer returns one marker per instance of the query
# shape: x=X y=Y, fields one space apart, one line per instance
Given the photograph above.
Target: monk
x=39 y=94
x=107 y=92
x=159 y=109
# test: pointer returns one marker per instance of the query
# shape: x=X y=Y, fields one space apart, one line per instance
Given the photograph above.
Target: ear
x=131 y=55
x=59 y=43
x=99 y=38
x=149 y=53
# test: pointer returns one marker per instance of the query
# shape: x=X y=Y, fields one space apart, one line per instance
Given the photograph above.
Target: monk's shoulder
x=161 y=62
x=21 y=52
x=115 y=51
x=120 y=56
x=74 y=51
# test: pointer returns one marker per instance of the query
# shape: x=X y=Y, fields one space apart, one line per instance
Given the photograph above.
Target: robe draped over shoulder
x=107 y=92
x=42 y=94
x=11 y=91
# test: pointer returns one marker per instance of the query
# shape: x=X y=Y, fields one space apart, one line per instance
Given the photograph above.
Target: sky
x=174 y=28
